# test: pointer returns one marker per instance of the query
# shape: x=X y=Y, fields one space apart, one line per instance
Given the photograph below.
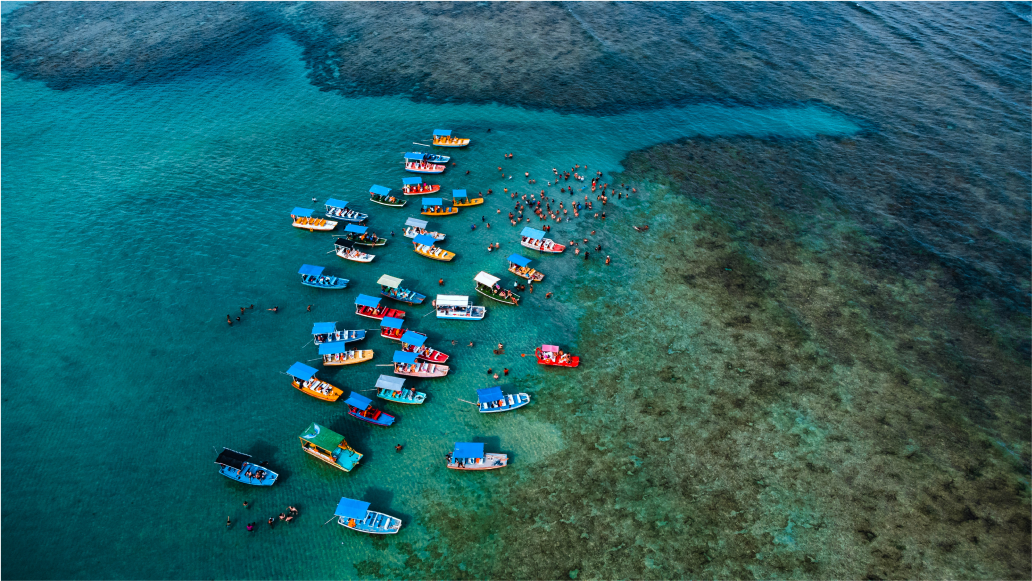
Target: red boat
x=367 y=306
x=552 y=355
x=390 y=328
x=412 y=342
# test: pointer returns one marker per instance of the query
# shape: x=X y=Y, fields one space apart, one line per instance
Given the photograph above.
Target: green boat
x=329 y=446
x=362 y=236
x=487 y=285
x=391 y=388
x=381 y=195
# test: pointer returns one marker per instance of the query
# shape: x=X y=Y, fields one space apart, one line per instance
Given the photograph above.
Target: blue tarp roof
x=334 y=348
x=432 y=201
x=391 y=323
x=301 y=212
x=367 y=301
x=355 y=228
x=332 y=203
x=519 y=260
x=358 y=400
x=404 y=357
x=380 y=190
x=414 y=155
x=458 y=193
x=301 y=371
x=490 y=394
x=413 y=338
x=322 y=328
x=349 y=508
x=532 y=233
x=412 y=181
x=424 y=239
x=444 y=132
x=312 y=270
x=468 y=450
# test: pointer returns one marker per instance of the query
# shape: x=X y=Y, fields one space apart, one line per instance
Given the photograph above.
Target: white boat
x=535 y=239
x=355 y=515
x=458 y=307
x=346 y=250
x=416 y=227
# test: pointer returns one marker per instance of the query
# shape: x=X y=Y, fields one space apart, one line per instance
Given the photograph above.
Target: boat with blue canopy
x=390 y=287
x=360 y=406
x=329 y=446
x=237 y=466
x=303 y=378
x=346 y=249
x=393 y=389
x=355 y=515
x=488 y=286
x=390 y=328
x=382 y=195
x=339 y=209
x=328 y=333
x=436 y=207
x=419 y=163
x=458 y=307
x=471 y=456
x=407 y=364
x=413 y=342
x=520 y=266
x=491 y=400
x=367 y=306
x=443 y=138
x=417 y=187
x=313 y=276
x=302 y=218
x=414 y=227
x=424 y=245
x=340 y=354
x=361 y=236
x=535 y=240
x=461 y=199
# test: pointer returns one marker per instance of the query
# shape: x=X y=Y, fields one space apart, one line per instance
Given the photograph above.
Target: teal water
x=137 y=217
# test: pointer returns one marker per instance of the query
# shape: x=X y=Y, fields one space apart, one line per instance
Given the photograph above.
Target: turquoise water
x=138 y=217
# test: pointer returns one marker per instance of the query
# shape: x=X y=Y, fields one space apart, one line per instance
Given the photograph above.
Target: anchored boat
x=443 y=138
x=429 y=157
x=413 y=342
x=390 y=287
x=492 y=400
x=355 y=515
x=339 y=209
x=392 y=388
x=553 y=356
x=346 y=250
x=471 y=456
x=488 y=286
x=367 y=306
x=416 y=187
x=424 y=245
x=418 y=163
x=339 y=354
x=361 y=236
x=518 y=265
x=461 y=199
x=436 y=207
x=535 y=239
x=329 y=446
x=390 y=328
x=328 y=333
x=406 y=364
x=382 y=195
x=458 y=307
x=360 y=406
x=302 y=218
x=237 y=466
x=304 y=379
x=414 y=227
x=313 y=276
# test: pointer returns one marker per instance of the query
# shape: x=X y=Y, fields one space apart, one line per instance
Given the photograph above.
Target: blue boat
x=339 y=209
x=313 y=276
x=393 y=389
x=427 y=157
x=360 y=406
x=328 y=333
x=492 y=400
x=355 y=515
x=390 y=287
x=237 y=466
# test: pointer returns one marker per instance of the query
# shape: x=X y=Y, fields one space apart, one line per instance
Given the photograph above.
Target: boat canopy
x=358 y=400
x=232 y=459
x=344 y=243
x=348 y=508
x=323 y=328
x=550 y=348
x=367 y=301
x=379 y=190
x=404 y=357
x=416 y=222
x=484 y=278
x=532 y=233
x=312 y=270
x=389 y=281
x=301 y=371
x=391 y=323
x=390 y=382
x=322 y=436
x=490 y=394
x=415 y=155
x=424 y=239
x=433 y=202
x=331 y=203
x=413 y=338
x=412 y=181
x=458 y=193
x=334 y=348
x=468 y=450
x=452 y=301
x=519 y=260
x=355 y=228
x=443 y=132
x=301 y=212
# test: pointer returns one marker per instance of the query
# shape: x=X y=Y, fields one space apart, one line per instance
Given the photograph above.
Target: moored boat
x=329 y=446
x=302 y=218
x=416 y=187
x=491 y=400
x=303 y=378
x=428 y=157
x=339 y=209
x=458 y=307
x=416 y=163
x=443 y=138
x=471 y=456
x=436 y=207
x=382 y=195
x=313 y=276
x=237 y=466
x=360 y=406
x=361 y=236
x=413 y=342
x=390 y=328
x=488 y=286
x=535 y=239
x=346 y=250
x=370 y=307
x=393 y=389
x=355 y=515
x=424 y=245
x=461 y=199
x=406 y=364
x=328 y=333
x=553 y=356
x=339 y=354
x=390 y=287
x=414 y=227
x=519 y=265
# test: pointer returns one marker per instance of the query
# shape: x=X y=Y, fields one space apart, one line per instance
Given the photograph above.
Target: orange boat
x=304 y=379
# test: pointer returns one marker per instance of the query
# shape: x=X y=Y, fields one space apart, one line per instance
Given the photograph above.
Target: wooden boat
x=406 y=364
x=313 y=276
x=392 y=389
x=414 y=227
x=361 y=236
x=329 y=446
x=339 y=209
x=471 y=456
x=416 y=187
x=413 y=342
x=328 y=333
x=460 y=199
x=339 y=354
x=424 y=245
x=491 y=400
x=390 y=328
x=355 y=515
x=415 y=163
x=443 y=138
x=237 y=466
x=390 y=287
x=303 y=378
x=535 y=239
x=553 y=356
x=346 y=250
x=436 y=207
x=458 y=307
x=381 y=195
x=302 y=218
x=370 y=307
x=518 y=265
x=360 y=406
x=488 y=286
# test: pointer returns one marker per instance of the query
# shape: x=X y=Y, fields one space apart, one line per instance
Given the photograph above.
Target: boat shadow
x=357 y=435
x=264 y=451
x=494 y=444
x=380 y=500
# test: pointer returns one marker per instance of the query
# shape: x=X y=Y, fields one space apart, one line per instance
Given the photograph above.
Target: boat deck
x=375 y=523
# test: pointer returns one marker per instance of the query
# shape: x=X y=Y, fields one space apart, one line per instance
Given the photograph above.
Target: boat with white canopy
x=488 y=286
x=390 y=287
x=414 y=227
x=458 y=307
x=393 y=389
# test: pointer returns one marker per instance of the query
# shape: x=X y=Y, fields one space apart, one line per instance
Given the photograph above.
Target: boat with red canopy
x=553 y=356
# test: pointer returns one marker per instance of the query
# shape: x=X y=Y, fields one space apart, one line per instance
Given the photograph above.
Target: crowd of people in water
x=288 y=516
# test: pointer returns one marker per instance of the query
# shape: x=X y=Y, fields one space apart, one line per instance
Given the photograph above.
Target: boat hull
x=358 y=357
x=382 y=419
x=413 y=168
x=511 y=402
x=433 y=190
x=434 y=355
x=377 y=241
x=333 y=394
x=573 y=362
x=413 y=298
x=449 y=212
x=386 y=202
x=443 y=255
x=411 y=232
x=401 y=396
x=553 y=249
x=350 y=459
x=504 y=300
x=378 y=314
x=469 y=202
x=425 y=370
x=474 y=314
x=352 y=217
x=490 y=462
x=346 y=336
x=530 y=274
x=356 y=256
x=375 y=523
x=325 y=227
x=337 y=286
x=456 y=143
x=240 y=475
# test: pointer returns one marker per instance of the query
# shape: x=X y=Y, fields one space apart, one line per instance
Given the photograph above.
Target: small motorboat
x=535 y=239
x=370 y=307
x=416 y=187
x=338 y=353
x=302 y=218
x=458 y=307
x=390 y=287
x=488 y=286
x=328 y=333
x=406 y=364
x=237 y=466
x=360 y=406
x=339 y=209
x=461 y=199
x=413 y=342
x=471 y=456
x=415 y=163
x=313 y=276
x=428 y=157
x=355 y=515
x=518 y=265
x=414 y=227
x=436 y=207
x=329 y=446
x=390 y=328
x=303 y=378
x=443 y=138
x=491 y=400
x=346 y=250
x=393 y=389
x=424 y=245
x=361 y=236
x=551 y=355
x=382 y=195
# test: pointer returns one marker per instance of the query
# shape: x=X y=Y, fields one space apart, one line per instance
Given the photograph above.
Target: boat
x=382 y=195
x=553 y=356
x=415 y=163
x=535 y=239
x=361 y=236
x=491 y=400
x=355 y=515
x=237 y=466
x=392 y=388
x=416 y=187
x=436 y=207
x=461 y=199
x=424 y=245
x=390 y=287
x=390 y=328
x=339 y=209
x=488 y=286
x=370 y=307
x=406 y=364
x=313 y=276
x=413 y=342
x=518 y=265
x=304 y=379
x=428 y=157
x=346 y=250
x=471 y=456
x=329 y=446
x=443 y=138
x=302 y=218
x=414 y=227
x=339 y=354
x=458 y=307
x=360 y=406
x=328 y=333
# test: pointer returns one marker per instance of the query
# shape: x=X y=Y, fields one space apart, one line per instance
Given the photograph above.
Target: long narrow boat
x=328 y=333
x=393 y=389
x=339 y=209
x=390 y=328
x=339 y=354
x=488 y=286
x=458 y=307
x=330 y=447
x=492 y=400
x=436 y=207
x=370 y=307
x=552 y=356
x=415 y=163
x=461 y=199
x=406 y=364
x=428 y=157
x=313 y=276
x=382 y=195
x=237 y=466
x=390 y=287
x=414 y=227
x=302 y=218
x=443 y=138
x=535 y=240
x=424 y=245
x=416 y=187
x=471 y=456
x=413 y=342
x=518 y=265
x=360 y=406
x=346 y=250
x=361 y=236
x=355 y=515
x=303 y=378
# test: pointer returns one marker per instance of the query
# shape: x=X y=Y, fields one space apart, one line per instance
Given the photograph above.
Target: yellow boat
x=303 y=219
x=436 y=207
x=424 y=245
x=338 y=353
x=460 y=199
x=443 y=138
